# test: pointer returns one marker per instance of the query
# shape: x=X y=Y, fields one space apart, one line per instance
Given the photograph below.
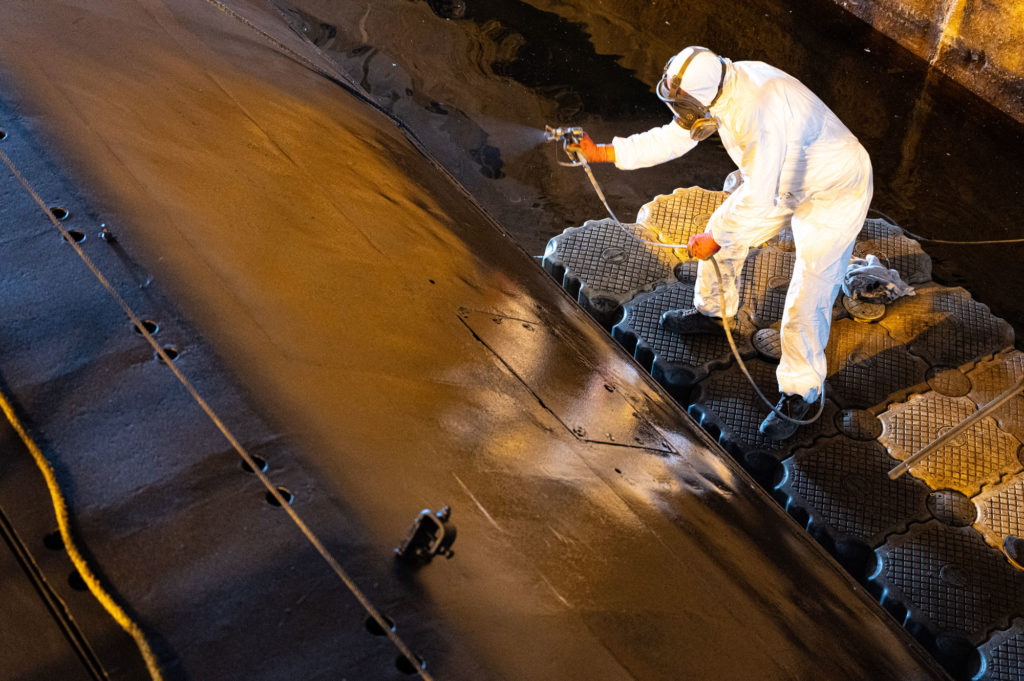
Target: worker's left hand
x=702 y=246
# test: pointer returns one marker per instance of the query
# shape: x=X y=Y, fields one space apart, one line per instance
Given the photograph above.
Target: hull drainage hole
x=171 y=352
x=75 y=235
x=149 y=325
x=59 y=212
x=54 y=541
x=405 y=665
x=285 y=494
x=261 y=465
x=375 y=628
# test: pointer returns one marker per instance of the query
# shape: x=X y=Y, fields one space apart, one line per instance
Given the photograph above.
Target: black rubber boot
x=777 y=428
x=691 y=322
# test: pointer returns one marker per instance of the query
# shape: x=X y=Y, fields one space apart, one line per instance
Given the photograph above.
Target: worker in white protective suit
x=799 y=166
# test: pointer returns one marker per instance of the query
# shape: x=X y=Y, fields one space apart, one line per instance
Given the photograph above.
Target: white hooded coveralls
x=802 y=167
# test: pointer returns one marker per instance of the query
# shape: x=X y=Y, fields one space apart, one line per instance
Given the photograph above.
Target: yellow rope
x=60 y=509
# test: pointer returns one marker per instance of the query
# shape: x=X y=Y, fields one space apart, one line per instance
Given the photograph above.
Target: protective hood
x=702 y=70
x=701 y=78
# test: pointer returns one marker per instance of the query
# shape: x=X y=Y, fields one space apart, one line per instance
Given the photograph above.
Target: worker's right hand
x=596 y=153
x=702 y=246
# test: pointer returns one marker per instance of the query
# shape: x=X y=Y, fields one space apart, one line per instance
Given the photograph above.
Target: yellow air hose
x=60 y=510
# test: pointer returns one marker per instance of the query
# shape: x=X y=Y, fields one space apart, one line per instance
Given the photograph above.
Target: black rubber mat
x=896 y=251
x=949 y=580
x=843 y=486
x=980 y=455
x=603 y=266
x=867 y=369
x=677 y=361
x=1002 y=656
x=727 y=403
x=946 y=327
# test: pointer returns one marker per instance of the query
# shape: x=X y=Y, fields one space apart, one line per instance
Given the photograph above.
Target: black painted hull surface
x=365 y=328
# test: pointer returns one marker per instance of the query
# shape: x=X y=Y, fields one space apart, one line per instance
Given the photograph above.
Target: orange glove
x=702 y=246
x=596 y=153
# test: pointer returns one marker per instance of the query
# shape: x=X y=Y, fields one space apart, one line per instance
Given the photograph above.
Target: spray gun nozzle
x=567 y=135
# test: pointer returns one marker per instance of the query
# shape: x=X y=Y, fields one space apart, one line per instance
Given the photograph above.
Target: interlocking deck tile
x=867 y=368
x=885 y=240
x=895 y=250
x=675 y=217
x=1002 y=656
x=783 y=241
x=679 y=360
x=727 y=401
x=910 y=425
x=990 y=379
x=935 y=343
x=844 y=486
x=1001 y=511
x=951 y=507
x=980 y=455
x=768 y=344
x=604 y=266
x=858 y=424
x=950 y=580
x=948 y=382
x=686 y=272
x=946 y=327
x=765 y=281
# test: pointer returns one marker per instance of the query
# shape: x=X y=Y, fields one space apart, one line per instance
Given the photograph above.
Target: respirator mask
x=687 y=109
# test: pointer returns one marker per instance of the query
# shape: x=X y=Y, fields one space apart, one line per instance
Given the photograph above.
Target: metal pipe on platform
x=925 y=451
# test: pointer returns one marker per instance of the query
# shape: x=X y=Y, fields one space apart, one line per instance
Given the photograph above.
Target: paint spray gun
x=570 y=137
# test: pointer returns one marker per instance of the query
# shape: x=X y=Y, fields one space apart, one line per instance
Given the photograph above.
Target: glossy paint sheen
x=352 y=290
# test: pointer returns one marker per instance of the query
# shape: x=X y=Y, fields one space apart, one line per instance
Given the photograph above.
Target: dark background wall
x=975 y=42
